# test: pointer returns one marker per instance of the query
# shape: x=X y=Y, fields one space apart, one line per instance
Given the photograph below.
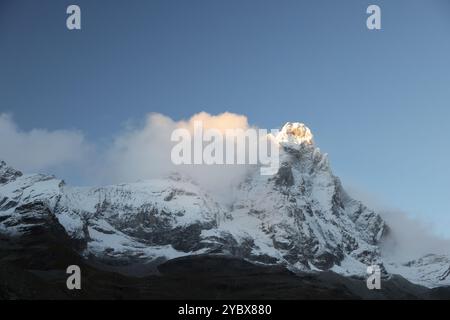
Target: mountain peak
x=7 y=173
x=295 y=133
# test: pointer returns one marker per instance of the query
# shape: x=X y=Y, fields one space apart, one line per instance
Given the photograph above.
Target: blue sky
x=377 y=101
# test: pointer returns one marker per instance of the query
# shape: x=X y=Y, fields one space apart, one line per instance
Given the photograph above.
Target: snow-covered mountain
x=301 y=218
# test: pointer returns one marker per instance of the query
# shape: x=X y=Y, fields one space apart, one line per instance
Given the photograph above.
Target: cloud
x=144 y=153
x=136 y=153
x=409 y=238
x=39 y=149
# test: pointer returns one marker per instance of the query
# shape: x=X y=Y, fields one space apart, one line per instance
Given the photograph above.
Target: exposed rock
x=8 y=174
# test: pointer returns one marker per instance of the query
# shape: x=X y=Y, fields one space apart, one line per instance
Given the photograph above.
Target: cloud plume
x=144 y=152
x=40 y=149
x=409 y=238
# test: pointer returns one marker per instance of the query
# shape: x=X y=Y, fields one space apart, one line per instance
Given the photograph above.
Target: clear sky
x=377 y=101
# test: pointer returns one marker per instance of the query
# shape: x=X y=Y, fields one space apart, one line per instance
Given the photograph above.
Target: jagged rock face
x=35 y=237
x=301 y=217
x=8 y=174
x=304 y=210
x=129 y=222
x=146 y=220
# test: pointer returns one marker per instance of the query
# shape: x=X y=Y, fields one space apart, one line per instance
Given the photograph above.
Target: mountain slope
x=205 y=277
x=300 y=218
x=304 y=211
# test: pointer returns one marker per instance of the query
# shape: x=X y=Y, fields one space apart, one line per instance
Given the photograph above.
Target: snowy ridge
x=301 y=217
x=432 y=270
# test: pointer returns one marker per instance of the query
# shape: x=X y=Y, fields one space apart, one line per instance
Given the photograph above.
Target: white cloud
x=144 y=153
x=409 y=238
x=136 y=153
x=39 y=149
